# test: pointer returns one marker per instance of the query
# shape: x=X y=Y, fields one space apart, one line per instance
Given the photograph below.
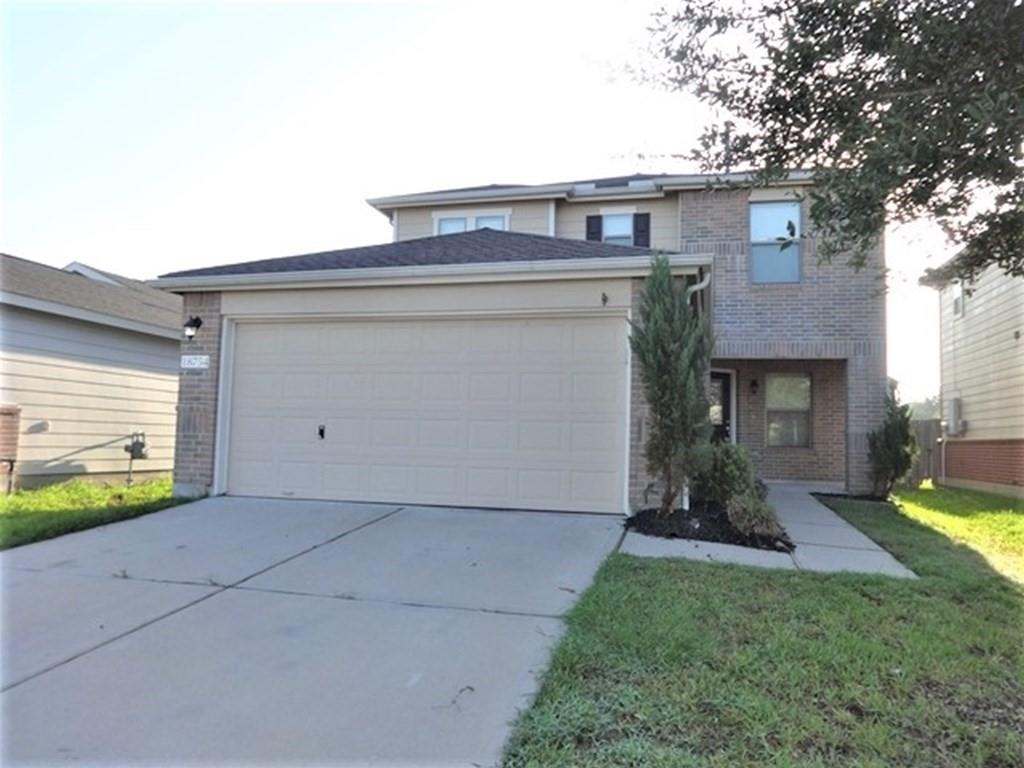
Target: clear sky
x=143 y=138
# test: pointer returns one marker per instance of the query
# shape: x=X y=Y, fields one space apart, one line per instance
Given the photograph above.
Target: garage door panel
x=510 y=413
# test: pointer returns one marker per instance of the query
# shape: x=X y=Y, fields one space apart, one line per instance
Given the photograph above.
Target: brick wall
x=825 y=459
x=833 y=313
x=10 y=429
x=986 y=461
x=197 y=399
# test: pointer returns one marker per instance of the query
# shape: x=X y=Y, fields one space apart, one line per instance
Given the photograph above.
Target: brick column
x=866 y=388
x=10 y=430
x=197 y=399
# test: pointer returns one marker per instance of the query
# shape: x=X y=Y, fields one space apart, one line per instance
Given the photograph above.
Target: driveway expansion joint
x=403 y=603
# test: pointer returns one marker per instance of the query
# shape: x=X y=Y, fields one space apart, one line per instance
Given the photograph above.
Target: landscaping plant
x=672 y=346
x=892 y=447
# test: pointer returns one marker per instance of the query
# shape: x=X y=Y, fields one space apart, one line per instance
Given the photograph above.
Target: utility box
x=953 y=424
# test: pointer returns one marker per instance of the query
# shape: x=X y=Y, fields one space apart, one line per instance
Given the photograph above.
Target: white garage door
x=516 y=413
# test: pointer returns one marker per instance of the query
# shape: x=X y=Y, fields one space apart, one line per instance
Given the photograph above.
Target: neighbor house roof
x=466 y=255
x=611 y=187
x=116 y=301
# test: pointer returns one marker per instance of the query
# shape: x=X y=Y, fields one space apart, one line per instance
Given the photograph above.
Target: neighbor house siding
x=983 y=356
x=571 y=219
x=530 y=217
x=83 y=389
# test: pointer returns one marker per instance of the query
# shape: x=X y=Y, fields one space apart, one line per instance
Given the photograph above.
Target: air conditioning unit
x=953 y=425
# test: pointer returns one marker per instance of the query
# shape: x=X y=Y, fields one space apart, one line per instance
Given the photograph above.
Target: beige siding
x=83 y=388
x=983 y=356
x=530 y=217
x=571 y=219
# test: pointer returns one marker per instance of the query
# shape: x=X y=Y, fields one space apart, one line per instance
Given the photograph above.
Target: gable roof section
x=128 y=304
x=481 y=246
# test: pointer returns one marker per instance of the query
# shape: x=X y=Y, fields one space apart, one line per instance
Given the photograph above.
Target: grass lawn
x=42 y=513
x=678 y=663
x=991 y=525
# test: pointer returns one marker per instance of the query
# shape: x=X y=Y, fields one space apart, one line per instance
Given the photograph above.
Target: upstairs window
x=451 y=225
x=448 y=225
x=620 y=229
x=788 y=407
x=775 y=242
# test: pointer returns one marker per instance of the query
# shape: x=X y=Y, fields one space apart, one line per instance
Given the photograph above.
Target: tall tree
x=672 y=345
x=903 y=109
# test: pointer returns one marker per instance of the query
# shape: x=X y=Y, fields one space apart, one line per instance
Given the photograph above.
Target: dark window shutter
x=594 y=228
x=642 y=230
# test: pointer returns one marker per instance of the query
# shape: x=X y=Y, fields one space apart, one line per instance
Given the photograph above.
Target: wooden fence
x=929 y=457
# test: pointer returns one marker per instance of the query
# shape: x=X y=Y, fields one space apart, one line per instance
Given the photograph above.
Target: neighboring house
x=482 y=357
x=87 y=358
x=982 y=392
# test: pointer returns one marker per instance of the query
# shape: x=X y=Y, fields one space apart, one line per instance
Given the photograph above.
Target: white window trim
x=616 y=210
x=797 y=241
x=470 y=215
x=957 y=288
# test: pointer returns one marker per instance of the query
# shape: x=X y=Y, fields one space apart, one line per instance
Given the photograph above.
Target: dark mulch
x=850 y=496
x=705 y=521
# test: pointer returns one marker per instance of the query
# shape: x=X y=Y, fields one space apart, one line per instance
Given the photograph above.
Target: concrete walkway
x=824 y=541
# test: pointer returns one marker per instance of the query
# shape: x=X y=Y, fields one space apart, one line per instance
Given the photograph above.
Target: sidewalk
x=824 y=541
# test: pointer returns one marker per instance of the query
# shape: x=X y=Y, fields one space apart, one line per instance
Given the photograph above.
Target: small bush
x=753 y=516
x=728 y=474
x=892 y=447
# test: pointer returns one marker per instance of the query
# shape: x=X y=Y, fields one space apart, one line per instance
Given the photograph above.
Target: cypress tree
x=671 y=343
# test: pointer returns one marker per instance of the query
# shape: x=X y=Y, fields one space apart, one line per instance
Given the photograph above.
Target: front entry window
x=789 y=410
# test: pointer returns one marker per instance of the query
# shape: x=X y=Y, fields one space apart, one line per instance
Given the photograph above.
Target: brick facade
x=10 y=431
x=1000 y=462
x=833 y=313
x=197 y=399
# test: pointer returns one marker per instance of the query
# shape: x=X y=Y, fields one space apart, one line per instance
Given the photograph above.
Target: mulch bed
x=704 y=521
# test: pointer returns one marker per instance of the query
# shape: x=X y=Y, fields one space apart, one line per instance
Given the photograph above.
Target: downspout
x=684 y=497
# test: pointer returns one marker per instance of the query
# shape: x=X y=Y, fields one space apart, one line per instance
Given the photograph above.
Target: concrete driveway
x=288 y=632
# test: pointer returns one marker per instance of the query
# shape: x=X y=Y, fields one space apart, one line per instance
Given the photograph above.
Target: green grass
x=991 y=525
x=42 y=513
x=678 y=663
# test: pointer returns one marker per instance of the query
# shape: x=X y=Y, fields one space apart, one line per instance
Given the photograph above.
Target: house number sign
x=195 y=362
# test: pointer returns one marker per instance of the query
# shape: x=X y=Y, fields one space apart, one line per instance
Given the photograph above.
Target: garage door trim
x=227 y=355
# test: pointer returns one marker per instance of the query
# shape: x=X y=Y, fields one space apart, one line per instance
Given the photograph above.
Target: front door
x=720 y=399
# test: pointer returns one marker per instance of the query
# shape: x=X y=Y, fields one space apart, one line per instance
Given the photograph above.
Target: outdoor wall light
x=193 y=325
x=753 y=386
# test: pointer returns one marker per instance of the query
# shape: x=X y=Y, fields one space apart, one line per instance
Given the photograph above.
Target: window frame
x=470 y=216
x=768 y=411
x=794 y=248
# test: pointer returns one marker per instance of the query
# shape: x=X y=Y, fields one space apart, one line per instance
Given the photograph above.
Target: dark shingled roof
x=482 y=246
x=129 y=300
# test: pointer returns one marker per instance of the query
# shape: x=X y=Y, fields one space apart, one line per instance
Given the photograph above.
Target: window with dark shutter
x=594 y=230
x=642 y=230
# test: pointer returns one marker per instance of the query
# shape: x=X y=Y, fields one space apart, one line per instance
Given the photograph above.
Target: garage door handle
x=321 y=431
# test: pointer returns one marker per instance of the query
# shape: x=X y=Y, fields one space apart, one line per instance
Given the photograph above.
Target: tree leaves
x=904 y=108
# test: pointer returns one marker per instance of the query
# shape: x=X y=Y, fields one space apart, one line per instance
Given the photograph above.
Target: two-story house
x=982 y=390
x=482 y=357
